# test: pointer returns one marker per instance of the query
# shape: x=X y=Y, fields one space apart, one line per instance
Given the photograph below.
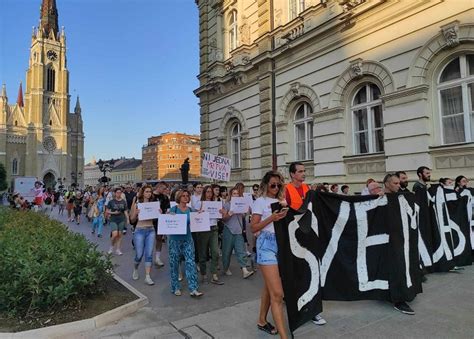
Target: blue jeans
x=144 y=240
x=233 y=242
x=176 y=250
x=97 y=224
x=267 y=249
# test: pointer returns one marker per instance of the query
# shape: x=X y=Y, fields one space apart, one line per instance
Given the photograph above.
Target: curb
x=101 y=320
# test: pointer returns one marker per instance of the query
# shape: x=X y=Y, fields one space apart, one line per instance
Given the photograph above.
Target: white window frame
x=368 y=105
x=307 y=121
x=233 y=30
x=299 y=7
x=463 y=81
x=238 y=139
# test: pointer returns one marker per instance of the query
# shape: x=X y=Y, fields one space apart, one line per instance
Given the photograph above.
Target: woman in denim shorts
x=271 y=191
x=144 y=235
x=118 y=218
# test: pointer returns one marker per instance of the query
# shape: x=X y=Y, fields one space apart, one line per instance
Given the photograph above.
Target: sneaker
x=135 y=274
x=148 y=281
x=246 y=273
x=159 y=263
x=196 y=294
x=318 y=320
x=93 y=232
x=177 y=293
x=456 y=268
x=111 y=250
x=248 y=254
x=118 y=252
x=124 y=232
x=228 y=272
x=404 y=308
x=215 y=280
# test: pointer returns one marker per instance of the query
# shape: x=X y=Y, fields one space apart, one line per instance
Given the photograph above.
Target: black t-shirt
x=120 y=206
x=129 y=197
x=164 y=202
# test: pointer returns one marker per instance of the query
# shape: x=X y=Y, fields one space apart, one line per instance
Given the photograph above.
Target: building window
x=235 y=142
x=15 y=167
x=367 y=120
x=456 y=100
x=50 y=79
x=303 y=131
x=233 y=36
x=295 y=8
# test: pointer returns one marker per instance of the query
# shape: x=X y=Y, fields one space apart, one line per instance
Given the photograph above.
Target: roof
x=127 y=165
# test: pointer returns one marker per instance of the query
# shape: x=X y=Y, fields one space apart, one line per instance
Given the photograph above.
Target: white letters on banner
x=200 y=222
x=172 y=224
x=470 y=206
x=148 y=210
x=405 y=212
x=216 y=167
x=213 y=208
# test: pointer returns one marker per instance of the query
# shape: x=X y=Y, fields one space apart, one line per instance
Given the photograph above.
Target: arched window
x=233 y=29
x=303 y=132
x=50 y=79
x=235 y=142
x=295 y=8
x=367 y=120
x=456 y=100
x=15 y=167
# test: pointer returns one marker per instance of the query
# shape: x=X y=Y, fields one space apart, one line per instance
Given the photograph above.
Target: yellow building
x=38 y=135
x=126 y=171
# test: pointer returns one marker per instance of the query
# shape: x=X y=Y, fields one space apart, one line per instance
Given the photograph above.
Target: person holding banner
x=271 y=191
x=183 y=246
x=208 y=241
x=144 y=234
x=232 y=237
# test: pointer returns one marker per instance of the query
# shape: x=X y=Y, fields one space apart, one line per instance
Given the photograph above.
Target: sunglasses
x=275 y=185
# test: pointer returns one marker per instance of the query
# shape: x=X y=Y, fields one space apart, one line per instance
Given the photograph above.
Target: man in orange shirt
x=295 y=193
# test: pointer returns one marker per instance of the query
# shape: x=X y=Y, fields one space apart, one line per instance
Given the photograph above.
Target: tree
x=3 y=178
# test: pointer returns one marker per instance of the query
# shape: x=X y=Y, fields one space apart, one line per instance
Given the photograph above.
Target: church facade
x=353 y=89
x=38 y=135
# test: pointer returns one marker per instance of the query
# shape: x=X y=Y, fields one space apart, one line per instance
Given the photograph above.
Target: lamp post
x=60 y=182
x=75 y=176
x=104 y=167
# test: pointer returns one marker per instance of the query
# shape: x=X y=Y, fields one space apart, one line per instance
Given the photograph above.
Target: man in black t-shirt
x=164 y=206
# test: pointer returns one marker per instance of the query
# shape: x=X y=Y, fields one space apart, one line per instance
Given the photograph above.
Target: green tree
x=3 y=178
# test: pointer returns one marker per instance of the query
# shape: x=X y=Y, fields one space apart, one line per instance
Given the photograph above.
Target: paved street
x=445 y=309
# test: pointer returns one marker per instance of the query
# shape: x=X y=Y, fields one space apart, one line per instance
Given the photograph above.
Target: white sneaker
x=177 y=293
x=118 y=252
x=111 y=250
x=318 y=320
x=228 y=272
x=246 y=273
x=135 y=274
x=158 y=262
x=148 y=280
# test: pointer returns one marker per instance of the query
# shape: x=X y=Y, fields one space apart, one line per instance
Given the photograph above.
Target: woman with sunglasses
x=144 y=234
x=182 y=246
x=271 y=191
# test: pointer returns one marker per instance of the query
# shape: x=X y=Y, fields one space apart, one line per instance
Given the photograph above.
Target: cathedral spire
x=49 y=17
x=77 y=109
x=19 y=100
x=4 y=91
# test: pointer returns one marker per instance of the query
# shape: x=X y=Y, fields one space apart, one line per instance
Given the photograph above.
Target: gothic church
x=38 y=135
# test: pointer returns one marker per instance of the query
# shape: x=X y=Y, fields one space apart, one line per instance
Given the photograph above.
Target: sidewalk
x=444 y=310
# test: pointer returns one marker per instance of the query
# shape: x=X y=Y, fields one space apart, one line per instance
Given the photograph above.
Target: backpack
x=48 y=200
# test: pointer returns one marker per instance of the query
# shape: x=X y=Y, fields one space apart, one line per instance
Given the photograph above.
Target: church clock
x=52 y=55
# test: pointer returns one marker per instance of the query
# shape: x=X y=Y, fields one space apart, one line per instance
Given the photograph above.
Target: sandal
x=269 y=328
x=217 y=282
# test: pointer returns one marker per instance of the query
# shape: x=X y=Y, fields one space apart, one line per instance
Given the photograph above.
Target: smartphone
x=284 y=209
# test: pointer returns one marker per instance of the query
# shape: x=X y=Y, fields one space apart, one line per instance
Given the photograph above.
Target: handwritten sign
x=200 y=222
x=148 y=210
x=172 y=224
x=216 y=167
x=239 y=205
x=212 y=207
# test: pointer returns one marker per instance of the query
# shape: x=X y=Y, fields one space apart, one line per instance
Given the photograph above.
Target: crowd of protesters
x=197 y=256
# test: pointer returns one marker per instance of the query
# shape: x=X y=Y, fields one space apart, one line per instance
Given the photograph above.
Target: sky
x=133 y=64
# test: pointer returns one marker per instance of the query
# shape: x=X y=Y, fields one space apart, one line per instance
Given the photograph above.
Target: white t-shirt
x=196 y=201
x=262 y=206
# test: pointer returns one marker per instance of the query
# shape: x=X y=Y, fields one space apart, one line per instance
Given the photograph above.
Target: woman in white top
x=271 y=191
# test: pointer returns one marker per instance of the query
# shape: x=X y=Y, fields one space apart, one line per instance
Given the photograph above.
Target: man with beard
x=403 y=181
x=424 y=177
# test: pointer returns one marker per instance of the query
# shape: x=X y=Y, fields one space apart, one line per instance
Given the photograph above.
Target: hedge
x=44 y=266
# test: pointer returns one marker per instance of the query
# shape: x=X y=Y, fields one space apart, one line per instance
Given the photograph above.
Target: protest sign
x=215 y=167
x=212 y=207
x=200 y=222
x=148 y=210
x=172 y=224
x=239 y=205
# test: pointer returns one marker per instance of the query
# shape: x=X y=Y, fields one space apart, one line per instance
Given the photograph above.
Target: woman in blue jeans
x=271 y=191
x=98 y=212
x=144 y=235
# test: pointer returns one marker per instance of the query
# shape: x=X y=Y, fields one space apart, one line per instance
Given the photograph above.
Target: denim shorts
x=117 y=226
x=267 y=249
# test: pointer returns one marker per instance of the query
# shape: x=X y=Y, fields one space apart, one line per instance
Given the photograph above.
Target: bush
x=43 y=266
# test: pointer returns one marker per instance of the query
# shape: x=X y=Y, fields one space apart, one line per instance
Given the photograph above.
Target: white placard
x=239 y=205
x=200 y=222
x=249 y=198
x=173 y=224
x=212 y=207
x=215 y=167
x=148 y=210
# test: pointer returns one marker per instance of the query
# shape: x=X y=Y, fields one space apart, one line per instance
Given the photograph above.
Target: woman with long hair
x=460 y=183
x=182 y=246
x=271 y=191
x=208 y=240
x=118 y=217
x=98 y=207
x=144 y=234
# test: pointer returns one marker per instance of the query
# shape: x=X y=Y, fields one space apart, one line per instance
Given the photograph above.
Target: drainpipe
x=273 y=92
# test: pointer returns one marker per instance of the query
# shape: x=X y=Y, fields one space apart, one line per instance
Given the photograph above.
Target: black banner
x=364 y=247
